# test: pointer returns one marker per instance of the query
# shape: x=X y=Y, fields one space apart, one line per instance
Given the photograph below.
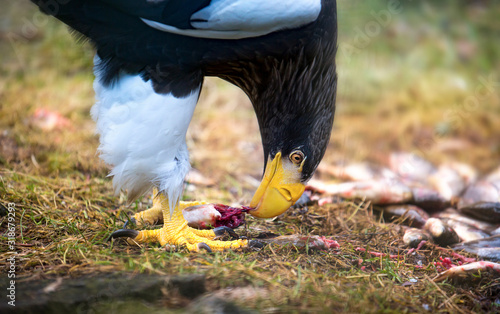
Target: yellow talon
x=175 y=230
x=154 y=215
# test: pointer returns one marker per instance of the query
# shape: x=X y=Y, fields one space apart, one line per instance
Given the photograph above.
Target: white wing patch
x=143 y=135
x=236 y=19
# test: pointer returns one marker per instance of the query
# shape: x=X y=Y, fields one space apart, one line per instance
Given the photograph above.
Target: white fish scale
x=142 y=135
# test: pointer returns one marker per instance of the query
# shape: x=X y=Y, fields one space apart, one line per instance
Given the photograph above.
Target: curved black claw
x=256 y=244
x=203 y=245
x=220 y=231
x=131 y=220
x=124 y=233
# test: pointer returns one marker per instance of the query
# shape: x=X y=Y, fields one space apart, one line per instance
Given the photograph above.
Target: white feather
x=236 y=19
x=143 y=135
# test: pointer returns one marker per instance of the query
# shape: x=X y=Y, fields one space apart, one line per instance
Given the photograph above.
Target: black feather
x=289 y=75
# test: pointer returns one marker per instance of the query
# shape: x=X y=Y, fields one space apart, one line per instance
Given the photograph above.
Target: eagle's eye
x=296 y=157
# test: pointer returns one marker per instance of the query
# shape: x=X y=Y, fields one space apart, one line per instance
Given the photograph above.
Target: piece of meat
x=48 y=120
x=481 y=191
x=453 y=214
x=410 y=167
x=487 y=248
x=467 y=172
x=486 y=211
x=300 y=241
x=231 y=217
x=377 y=191
x=428 y=199
x=411 y=215
x=468 y=268
x=215 y=215
x=201 y=216
x=414 y=236
x=441 y=233
x=465 y=232
x=357 y=171
x=447 y=182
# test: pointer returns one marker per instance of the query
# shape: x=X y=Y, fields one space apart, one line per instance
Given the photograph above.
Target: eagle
x=150 y=63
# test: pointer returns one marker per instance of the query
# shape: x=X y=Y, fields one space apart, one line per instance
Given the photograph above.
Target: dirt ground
x=424 y=79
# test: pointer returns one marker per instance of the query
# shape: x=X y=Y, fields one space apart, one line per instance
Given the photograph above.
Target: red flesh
x=330 y=243
x=445 y=263
x=231 y=217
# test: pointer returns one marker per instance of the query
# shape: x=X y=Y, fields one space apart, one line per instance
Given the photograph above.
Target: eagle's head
x=295 y=108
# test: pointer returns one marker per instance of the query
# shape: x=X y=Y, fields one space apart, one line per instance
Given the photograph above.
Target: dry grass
x=393 y=95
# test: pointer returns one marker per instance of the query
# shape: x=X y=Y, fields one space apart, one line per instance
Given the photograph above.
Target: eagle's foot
x=192 y=239
x=175 y=230
x=154 y=215
x=151 y=216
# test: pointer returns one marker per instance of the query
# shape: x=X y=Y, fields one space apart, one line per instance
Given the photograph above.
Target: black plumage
x=289 y=75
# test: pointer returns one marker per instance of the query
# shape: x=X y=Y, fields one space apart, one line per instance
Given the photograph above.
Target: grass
x=408 y=89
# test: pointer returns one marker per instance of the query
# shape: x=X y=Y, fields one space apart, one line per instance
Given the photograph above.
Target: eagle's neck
x=293 y=96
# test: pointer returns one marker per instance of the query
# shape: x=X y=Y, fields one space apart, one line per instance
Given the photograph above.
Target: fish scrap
x=486 y=248
x=410 y=167
x=464 y=231
x=481 y=191
x=487 y=211
x=410 y=215
x=301 y=242
x=449 y=204
x=231 y=217
x=357 y=172
x=48 y=120
x=384 y=191
x=446 y=204
x=447 y=182
x=441 y=232
x=461 y=270
x=453 y=214
x=413 y=237
x=207 y=216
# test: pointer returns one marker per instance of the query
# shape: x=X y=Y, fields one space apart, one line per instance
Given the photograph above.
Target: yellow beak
x=280 y=188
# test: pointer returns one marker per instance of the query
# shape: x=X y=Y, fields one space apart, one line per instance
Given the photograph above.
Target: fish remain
x=449 y=203
x=385 y=191
x=460 y=270
x=206 y=216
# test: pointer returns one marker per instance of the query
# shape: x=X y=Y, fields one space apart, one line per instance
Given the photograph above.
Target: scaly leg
x=176 y=231
x=151 y=216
